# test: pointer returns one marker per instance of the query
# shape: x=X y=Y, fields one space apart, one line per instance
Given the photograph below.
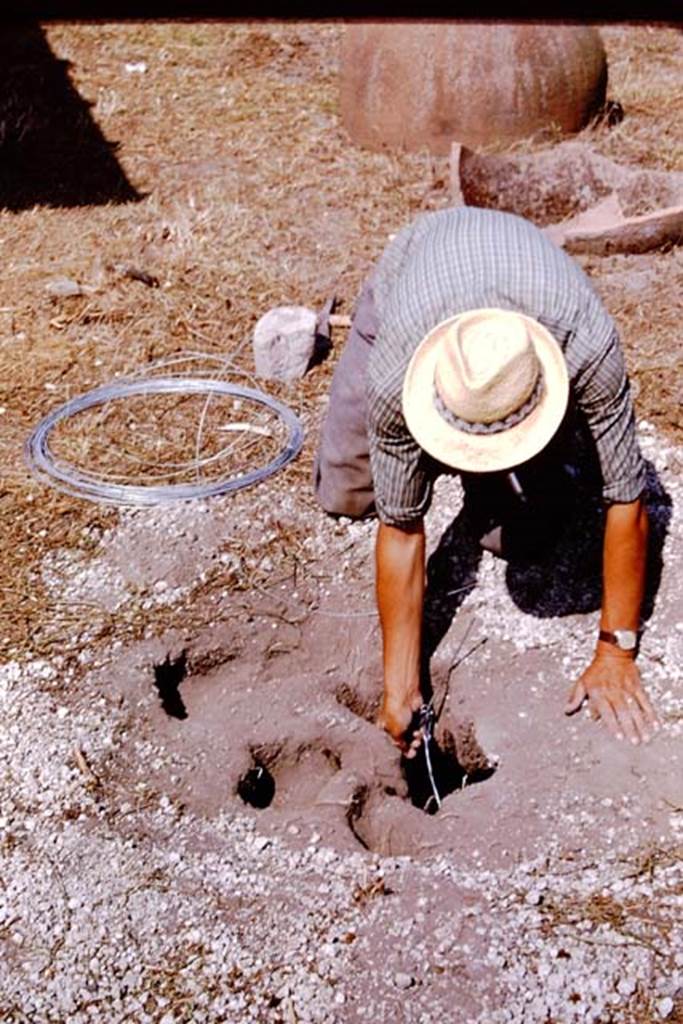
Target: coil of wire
x=82 y=483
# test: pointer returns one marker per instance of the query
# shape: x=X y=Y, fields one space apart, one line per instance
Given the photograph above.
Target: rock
x=63 y=287
x=417 y=85
x=665 y=1007
x=284 y=341
x=604 y=230
x=626 y=986
x=564 y=181
x=403 y=981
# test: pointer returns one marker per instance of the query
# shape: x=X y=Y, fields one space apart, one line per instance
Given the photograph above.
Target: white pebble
x=665 y=1006
x=626 y=986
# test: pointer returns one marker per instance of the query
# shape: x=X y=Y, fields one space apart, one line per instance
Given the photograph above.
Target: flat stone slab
x=586 y=202
x=604 y=229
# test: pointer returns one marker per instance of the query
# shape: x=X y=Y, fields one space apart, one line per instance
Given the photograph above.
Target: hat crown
x=487 y=367
x=454 y=374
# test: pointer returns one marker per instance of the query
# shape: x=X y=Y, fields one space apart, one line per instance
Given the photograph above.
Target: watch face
x=626 y=639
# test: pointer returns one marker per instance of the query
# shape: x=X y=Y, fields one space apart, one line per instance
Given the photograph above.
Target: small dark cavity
x=449 y=776
x=167 y=678
x=364 y=707
x=257 y=787
x=612 y=113
x=332 y=758
x=135 y=274
x=355 y=812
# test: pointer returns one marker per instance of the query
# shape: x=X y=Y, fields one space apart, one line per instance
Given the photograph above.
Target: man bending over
x=472 y=342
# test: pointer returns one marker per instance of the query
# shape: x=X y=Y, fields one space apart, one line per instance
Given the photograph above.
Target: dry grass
x=253 y=196
x=645 y=77
x=170 y=439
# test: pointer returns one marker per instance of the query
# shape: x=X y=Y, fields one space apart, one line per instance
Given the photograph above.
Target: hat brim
x=482 y=453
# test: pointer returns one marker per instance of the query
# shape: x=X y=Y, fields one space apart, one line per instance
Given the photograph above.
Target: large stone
x=284 y=341
x=550 y=185
x=584 y=201
x=604 y=230
x=426 y=85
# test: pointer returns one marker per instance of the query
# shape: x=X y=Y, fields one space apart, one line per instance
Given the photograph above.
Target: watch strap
x=612 y=638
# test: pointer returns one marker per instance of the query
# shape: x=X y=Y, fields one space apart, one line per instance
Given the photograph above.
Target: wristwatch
x=624 y=639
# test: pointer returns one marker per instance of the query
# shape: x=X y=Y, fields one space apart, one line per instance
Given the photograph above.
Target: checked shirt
x=464 y=258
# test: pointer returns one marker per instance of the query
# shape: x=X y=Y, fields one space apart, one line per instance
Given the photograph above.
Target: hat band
x=498 y=426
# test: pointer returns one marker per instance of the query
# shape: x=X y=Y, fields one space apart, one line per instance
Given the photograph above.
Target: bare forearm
x=624 y=565
x=400 y=558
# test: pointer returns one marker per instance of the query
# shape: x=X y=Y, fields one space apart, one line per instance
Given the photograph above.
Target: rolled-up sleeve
x=401 y=471
x=603 y=393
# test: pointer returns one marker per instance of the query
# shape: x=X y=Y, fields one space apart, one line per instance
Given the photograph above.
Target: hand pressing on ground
x=612 y=688
x=397 y=716
x=611 y=684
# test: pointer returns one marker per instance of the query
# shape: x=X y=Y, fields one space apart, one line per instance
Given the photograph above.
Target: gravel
x=119 y=904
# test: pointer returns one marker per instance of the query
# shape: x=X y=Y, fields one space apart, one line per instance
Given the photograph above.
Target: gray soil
x=138 y=885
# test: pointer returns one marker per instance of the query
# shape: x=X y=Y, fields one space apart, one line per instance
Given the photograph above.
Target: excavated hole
x=172 y=671
x=458 y=762
x=375 y=815
x=364 y=707
x=452 y=769
x=291 y=774
x=168 y=675
x=257 y=787
x=287 y=778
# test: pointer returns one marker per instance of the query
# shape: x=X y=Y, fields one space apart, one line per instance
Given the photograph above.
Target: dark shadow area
x=167 y=678
x=571 y=581
x=554 y=556
x=257 y=787
x=659 y=506
x=449 y=776
x=533 y=10
x=52 y=152
x=322 y=345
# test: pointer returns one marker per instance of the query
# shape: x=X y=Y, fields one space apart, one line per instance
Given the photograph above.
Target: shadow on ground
x=52 y=152
x=567 y=581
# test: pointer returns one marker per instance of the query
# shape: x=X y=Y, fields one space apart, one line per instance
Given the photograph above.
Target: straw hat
x=485 y=390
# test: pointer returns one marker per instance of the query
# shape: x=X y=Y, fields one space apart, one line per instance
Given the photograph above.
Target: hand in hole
x=399 y=717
